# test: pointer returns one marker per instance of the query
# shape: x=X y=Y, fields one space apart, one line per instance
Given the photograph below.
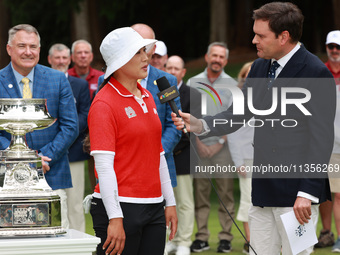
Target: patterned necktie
x=271 y=73
x=26 y=91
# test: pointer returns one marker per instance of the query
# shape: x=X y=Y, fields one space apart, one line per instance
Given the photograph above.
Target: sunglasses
x=332 y=46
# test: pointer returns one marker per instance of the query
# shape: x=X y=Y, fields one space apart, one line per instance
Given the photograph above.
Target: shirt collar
x=90 y=73
x=179 y=85
x=122 y=91
x=284 y=60
x=18 y=76
x=331 y=70
x=222 y=74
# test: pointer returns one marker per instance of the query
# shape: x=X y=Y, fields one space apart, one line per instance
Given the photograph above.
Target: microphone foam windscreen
x=163 y=83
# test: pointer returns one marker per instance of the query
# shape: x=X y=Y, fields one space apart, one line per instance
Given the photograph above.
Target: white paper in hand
x=300 y=236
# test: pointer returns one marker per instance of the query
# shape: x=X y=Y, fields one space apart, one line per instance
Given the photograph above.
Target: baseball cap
x=161 y=48
x=333 y=37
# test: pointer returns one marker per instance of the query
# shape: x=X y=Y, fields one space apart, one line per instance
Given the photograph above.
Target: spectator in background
x=214 y=151
x=160 y=56
x=82 y=57
x=183 y=160
x=59 y=58
x=241 y=149
x=31 y=80
x=170 y=135
x=326 y=237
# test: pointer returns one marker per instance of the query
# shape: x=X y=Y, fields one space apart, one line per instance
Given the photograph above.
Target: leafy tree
x=51 y=18
x=185 y=26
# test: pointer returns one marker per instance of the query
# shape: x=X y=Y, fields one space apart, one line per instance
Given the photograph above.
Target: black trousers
x=144 y=226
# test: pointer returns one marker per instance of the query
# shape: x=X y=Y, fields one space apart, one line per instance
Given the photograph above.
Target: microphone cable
x=218 y=195
x=167 y=94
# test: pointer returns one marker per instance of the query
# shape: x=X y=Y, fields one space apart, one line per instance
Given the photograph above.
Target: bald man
x=170 y=135
x=184 y=190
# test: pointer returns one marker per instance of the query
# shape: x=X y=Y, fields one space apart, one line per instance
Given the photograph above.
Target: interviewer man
x=278 y=29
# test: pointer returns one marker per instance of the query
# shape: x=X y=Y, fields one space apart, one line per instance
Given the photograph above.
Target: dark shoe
x=224 y=246
x=326 y=239
x=198 y=246
x=246 y=248
x=336 y=246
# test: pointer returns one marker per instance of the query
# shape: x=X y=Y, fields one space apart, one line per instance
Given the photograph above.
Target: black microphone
x=167 y=94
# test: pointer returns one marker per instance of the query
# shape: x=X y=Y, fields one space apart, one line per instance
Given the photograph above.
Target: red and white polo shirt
x=128 y=126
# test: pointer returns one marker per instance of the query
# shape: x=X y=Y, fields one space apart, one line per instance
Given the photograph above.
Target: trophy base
x=30 y=216
x=37 y=232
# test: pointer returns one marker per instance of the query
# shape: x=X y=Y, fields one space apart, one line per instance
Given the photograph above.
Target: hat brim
x=128 y=54
x=333 y=41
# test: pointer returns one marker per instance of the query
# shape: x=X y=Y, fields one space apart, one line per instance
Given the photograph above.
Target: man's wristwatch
x=221 y=141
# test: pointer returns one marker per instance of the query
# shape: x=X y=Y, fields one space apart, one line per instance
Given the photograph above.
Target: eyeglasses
x=332 y=46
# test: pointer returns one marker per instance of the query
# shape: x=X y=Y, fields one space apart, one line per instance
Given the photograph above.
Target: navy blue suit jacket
x=309 y=142
x=55 y=140
x=81 y=94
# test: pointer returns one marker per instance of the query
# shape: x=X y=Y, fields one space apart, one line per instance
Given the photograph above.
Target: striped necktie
x=26 y=91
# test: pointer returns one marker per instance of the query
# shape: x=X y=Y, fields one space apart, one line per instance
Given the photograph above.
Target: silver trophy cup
x=28 y=206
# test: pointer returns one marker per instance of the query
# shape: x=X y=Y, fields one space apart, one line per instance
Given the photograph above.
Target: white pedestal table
x=72 y=243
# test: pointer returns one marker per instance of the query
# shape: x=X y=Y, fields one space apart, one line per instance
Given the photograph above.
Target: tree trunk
x=243 y=33
x=219 y=11
x=81 y=28
x=86 y=25
x=336 y=13
x=96 y=33
x=4 y=27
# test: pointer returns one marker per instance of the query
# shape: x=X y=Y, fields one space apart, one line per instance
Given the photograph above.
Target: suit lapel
x=151 y=79
x=295 y=64
x=182 y=89
x=39 y=80
x=9 y=83
x=183 y=93
x=290 y=71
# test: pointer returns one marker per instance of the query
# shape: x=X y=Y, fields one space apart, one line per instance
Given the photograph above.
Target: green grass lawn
x=214 y=226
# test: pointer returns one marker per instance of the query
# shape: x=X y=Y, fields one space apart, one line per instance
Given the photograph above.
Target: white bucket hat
x=120 y=45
